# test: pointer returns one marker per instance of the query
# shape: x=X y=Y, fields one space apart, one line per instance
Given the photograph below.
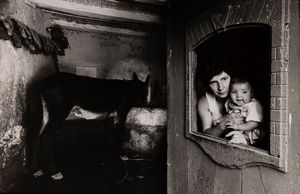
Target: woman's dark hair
x=213 y=68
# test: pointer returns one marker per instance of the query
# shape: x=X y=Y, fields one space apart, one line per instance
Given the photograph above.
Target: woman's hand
x=231 y=124
x=222 y=122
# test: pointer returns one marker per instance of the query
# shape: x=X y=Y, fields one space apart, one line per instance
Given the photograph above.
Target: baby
x=241 y=103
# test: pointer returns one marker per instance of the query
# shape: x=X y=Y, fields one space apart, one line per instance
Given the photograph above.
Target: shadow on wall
x=124 y=69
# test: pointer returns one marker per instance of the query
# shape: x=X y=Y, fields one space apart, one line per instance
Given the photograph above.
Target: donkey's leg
x=112 y=144
x=38 y=159
x=114 y=168
x=38 y=162
x=47 y=138
x=57 y=115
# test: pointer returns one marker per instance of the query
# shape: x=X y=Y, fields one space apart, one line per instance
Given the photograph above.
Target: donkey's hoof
x=57 y=176
x=38 y=173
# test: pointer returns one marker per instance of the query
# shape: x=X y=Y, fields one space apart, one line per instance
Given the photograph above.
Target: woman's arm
x=207 y=121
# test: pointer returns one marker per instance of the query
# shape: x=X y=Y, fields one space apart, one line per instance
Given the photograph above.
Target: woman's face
x=219 y=85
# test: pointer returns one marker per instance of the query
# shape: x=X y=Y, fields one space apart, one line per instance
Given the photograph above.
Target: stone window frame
x=198 y=29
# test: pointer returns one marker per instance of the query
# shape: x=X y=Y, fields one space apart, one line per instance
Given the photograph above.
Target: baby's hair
x=240 y=80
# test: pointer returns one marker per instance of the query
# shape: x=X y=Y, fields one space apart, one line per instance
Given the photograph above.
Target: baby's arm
x=252 y=121
x=246 y=126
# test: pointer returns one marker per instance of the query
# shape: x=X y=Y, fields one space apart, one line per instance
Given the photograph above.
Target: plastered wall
x=19 y=70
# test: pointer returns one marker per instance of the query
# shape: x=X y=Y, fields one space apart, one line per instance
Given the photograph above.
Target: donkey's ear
x=134 y=76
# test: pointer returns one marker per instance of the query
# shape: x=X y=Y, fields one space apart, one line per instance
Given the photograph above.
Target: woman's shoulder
x=203 y=98
x=202 y=101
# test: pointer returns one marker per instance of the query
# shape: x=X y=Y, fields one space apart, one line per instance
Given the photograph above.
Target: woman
x=211 y=106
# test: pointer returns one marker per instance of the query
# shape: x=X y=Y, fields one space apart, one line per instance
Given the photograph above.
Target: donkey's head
x=141 y=90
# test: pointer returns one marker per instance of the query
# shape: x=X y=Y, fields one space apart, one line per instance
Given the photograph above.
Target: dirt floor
x=86 y=158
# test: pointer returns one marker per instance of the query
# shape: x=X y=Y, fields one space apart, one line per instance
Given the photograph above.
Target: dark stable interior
x=88 y=154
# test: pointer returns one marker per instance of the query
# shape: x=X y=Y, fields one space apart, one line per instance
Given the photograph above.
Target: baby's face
x=240 y=93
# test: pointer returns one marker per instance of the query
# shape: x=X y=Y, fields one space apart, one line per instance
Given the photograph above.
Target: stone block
x=193 y=36
x=281 y=128
x=279 y=116
x=273 y=103
x=281 y=103
x=232 y=11
x=272 y=127
x=188 y=42
x=267 y=11
x=240 y=10
x=277 y=34
x=275 y=145
x=284 y=153
x=279 y=65
x=207 y=27
x=279 y=53
x=276 y=21
x=273 y=54
x=189 y=38
x=200 y=30
x=279 y=148
x=273 y=78
x=256 y=13
x=279 y=90
x=197 y=33
x=282 y=78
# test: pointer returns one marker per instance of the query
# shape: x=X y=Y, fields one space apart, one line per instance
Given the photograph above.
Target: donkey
x=61 y=92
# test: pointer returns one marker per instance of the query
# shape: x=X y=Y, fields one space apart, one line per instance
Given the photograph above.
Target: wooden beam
x=96 y=12
x=150 y=2
x=97 y=28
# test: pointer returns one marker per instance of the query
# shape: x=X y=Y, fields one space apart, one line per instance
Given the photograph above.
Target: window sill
x=235 y=155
